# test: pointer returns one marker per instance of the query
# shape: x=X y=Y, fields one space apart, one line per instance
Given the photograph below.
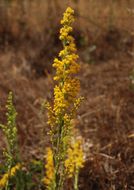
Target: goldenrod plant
x=11 y=152
x=10 y=131
x=63 y=108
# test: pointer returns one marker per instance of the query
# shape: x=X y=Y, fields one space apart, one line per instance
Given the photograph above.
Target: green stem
x=58 y=157
x=9 y=171
x=76 y=176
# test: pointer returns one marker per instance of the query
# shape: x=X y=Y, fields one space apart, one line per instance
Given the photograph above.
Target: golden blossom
x=11 y=173
x=49 y=166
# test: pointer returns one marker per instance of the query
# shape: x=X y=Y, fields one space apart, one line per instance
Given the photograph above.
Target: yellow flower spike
x=4 y=180
x=49 y=167
x=63 y=108
x=11 y=173
x=15 y=169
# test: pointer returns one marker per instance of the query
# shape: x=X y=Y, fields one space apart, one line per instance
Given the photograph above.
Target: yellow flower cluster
x=67 y=17
x=75 y=158
x=65 y=95
x=66 y=66
x=49 y=166
x=67 y=20
x=11 y=173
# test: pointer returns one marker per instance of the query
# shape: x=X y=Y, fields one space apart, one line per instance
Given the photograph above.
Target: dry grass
x=20 y=18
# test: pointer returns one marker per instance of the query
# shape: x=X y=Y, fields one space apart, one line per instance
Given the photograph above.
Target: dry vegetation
x=105 y=39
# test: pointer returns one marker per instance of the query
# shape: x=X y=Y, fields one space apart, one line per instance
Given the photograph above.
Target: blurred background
x=104 y=34
x=33 y=27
